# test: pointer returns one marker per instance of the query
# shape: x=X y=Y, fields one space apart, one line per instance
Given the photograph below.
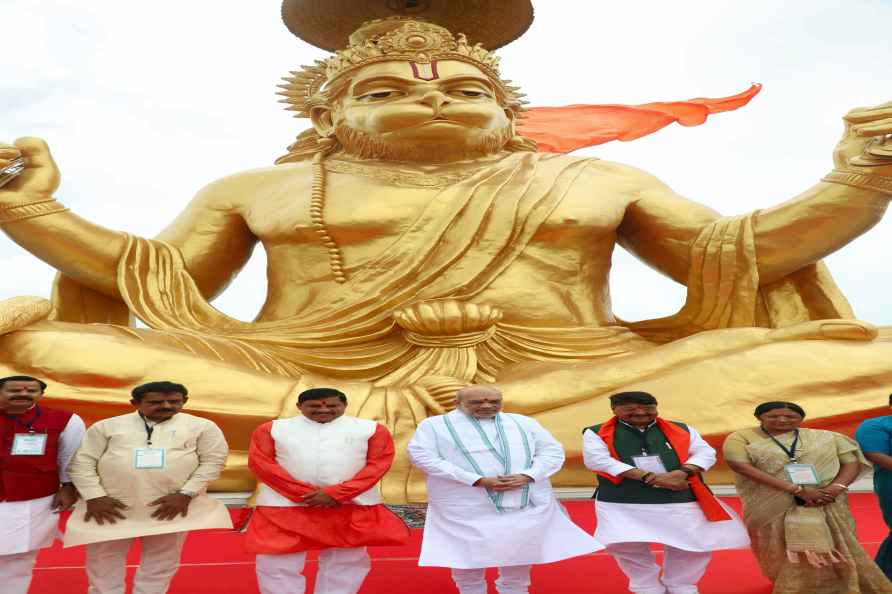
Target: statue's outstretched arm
x=659 y=225
x=89 y=253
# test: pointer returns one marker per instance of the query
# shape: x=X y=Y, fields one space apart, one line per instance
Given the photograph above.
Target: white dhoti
x=514 y=579
x=15 y=571
x=688 y=537
x=681 y=569
x=679 y=525
x=474 y=535
x=27 y=527
x=158 y=562
x=341 y=571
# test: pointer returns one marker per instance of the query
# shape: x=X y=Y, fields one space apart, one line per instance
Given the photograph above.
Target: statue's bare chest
x=358 y=211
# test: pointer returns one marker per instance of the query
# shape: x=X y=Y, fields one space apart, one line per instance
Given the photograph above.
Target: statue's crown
x=381 y=40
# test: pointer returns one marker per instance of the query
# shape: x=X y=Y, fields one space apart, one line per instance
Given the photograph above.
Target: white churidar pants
x=513 y=579
x=341 y=571
x=15 y=572
x=158 y=562
x=681 y=569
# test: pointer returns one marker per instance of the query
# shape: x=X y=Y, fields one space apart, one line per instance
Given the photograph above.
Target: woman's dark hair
x=767 y=406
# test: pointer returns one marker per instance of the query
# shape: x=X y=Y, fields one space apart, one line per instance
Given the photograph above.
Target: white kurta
x=30 y=525
x=464 y=529
x=679 y=525
x=195 y=452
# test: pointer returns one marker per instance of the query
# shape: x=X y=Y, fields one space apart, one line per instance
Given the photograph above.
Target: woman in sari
x=793 y=484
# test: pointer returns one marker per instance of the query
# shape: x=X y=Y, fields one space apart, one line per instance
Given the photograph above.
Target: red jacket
x=31 y=477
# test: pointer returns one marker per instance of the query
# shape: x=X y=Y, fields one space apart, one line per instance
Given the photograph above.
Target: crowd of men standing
x=144 y=475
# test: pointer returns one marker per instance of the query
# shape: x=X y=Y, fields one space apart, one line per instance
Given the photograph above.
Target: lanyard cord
x=149 y=429
x=791 y=453
x=28 y=426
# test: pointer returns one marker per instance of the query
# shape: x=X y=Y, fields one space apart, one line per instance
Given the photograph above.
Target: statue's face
x=388 y=104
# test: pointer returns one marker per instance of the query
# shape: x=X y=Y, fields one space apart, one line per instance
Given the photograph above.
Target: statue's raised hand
x=866 y=145
x=39 y=180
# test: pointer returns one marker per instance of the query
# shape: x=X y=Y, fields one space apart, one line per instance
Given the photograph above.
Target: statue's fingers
x=35 y=150
x=877 y=128
x=860 y=116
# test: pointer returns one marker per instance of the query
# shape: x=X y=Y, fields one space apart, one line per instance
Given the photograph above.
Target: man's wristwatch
x=67 y=484
x=189 y=494
x=688 y=471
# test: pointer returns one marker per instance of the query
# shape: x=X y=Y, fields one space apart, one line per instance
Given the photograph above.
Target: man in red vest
x=37 y=444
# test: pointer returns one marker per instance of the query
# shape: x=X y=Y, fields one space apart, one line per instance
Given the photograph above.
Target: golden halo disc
x=328 y=23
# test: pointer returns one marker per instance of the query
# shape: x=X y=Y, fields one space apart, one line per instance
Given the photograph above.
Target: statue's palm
x=866 y=145
x=39 y=180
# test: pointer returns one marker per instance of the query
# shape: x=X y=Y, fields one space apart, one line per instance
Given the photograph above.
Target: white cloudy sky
x=145 y=102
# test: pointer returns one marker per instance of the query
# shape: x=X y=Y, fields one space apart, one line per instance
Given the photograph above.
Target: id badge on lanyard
x=797 y=472
x=802 y=474
x=148 y=458
x=649 y=463
x=29 y=444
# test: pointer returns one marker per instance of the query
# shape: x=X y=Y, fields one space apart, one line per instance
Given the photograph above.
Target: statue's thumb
x=35 y=150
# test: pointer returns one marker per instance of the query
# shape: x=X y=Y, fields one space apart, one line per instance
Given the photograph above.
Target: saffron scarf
x=680 y=440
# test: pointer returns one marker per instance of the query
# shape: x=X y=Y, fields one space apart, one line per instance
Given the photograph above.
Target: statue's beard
x=369 y=146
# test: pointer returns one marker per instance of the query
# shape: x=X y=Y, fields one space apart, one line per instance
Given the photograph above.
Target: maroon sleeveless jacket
x=31 y=477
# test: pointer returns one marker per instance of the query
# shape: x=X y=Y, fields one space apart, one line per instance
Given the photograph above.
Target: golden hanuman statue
x=417 y=243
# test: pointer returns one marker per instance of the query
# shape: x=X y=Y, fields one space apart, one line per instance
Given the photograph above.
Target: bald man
x=490 y=502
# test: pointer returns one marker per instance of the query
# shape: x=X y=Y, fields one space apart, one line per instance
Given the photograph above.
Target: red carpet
x=214 y=563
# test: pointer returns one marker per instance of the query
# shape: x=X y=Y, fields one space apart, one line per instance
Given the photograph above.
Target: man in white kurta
x=38 y=442
x=143 y=475
x=490 y=501
x=650 y=491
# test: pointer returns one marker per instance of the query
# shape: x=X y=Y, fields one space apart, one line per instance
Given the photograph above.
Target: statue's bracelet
x=30 y=210
x=877 y=183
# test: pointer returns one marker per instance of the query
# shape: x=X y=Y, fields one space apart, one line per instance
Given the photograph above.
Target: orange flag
x=565 y=129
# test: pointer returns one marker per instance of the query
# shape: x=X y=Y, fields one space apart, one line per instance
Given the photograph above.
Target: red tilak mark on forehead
x=425 y=71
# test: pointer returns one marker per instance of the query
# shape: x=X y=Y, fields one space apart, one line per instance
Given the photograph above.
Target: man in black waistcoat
x=650 y=491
